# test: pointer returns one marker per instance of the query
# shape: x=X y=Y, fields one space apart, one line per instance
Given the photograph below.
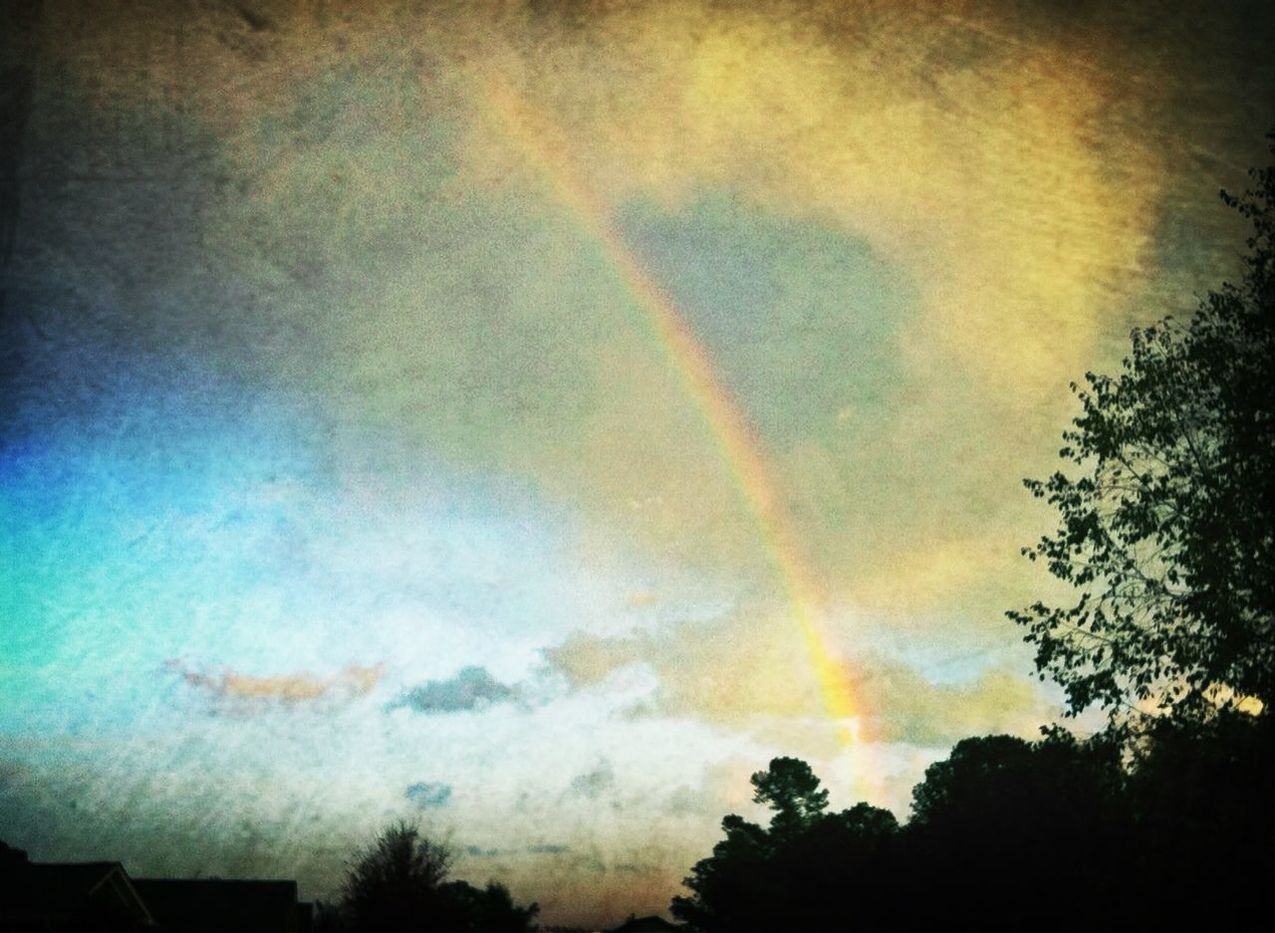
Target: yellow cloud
x=998 y=185
x=750 y=672
x=985 y=180
x=303 y=686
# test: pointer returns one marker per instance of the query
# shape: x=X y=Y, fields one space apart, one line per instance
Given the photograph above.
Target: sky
x=530 y=418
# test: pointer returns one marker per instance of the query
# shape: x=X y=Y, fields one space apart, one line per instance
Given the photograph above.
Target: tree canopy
x=794 y=874
x=1167 y=527
x=791 y=789
x=400 y=883
x=1006 y=834
x=396 y=883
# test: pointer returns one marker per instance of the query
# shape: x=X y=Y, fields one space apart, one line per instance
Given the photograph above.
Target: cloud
x=473 y=688
x=353 y=680
x=751 y=671
x=427 y=795
x=905 y=706
x=1017 y=168
x=540 y=848
x=548 y=849
x=594 y=783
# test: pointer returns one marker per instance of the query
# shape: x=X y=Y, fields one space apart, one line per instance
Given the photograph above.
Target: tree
x=1003 y=817
x=1205 y=815
x=491 y=909
x=400 y=883
x=810 y=870
x=791 y=789
x=1169 y=832
x=397 y=884
x=1006 y=817
x=734 y=887
x=1168 y=529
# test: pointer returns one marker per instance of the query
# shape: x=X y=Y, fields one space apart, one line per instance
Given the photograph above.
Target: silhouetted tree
x=809 y=870
x=840 y=872
x=1001 y=819
x=1007 y=834
x=736 y=886
x=1203 y=802
x=397 y=884
x=791 y=789
x=401 y=883
x=491 y=909
x=1168 y=528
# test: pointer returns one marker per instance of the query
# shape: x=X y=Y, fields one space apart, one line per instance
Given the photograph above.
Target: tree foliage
x=400 y=883
x=1007 y=834
x=1167 y=528
x=396 y=883
x=1205 y=816
x=490 y=909
x=790 y=788
x=1001 y=814
x=791 y=875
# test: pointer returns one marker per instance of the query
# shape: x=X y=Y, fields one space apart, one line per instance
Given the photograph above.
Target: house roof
x=64 y=881
x=52 y=895
x=68 y=889
x=206 y=904
x=650 y=924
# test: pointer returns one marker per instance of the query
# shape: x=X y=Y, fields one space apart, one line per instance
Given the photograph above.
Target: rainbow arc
x=543 y=146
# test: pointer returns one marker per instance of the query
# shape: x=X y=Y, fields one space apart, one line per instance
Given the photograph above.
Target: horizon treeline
x=1007 y=834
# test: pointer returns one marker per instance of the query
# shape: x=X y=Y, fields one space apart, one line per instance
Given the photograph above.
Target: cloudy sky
x=532 y=417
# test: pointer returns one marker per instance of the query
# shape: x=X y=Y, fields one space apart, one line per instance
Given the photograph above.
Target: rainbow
x=739 y=448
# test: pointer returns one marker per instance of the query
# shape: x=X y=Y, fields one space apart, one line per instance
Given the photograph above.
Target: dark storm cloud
x=472 y=688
